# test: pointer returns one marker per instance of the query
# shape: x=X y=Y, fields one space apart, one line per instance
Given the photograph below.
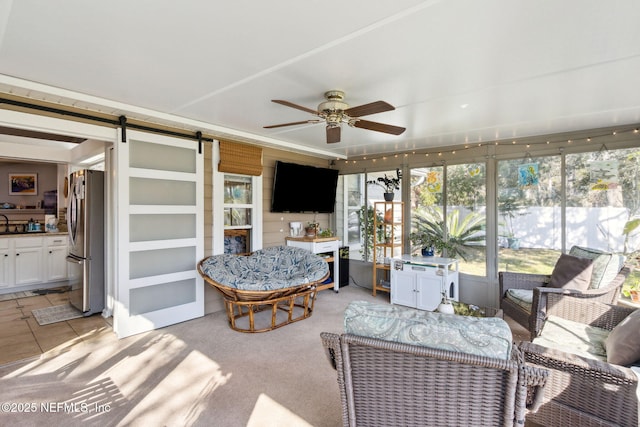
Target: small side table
x=321 y=245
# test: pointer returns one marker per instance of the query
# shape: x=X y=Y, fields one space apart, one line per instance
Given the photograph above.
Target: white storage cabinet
x=419 y=282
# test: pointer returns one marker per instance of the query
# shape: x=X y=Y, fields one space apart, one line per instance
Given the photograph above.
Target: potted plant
x=325 y=233
x=426 y=241
x=632 y=291
x=451 y=236
x=311 y=229
x=366 y=220
x=388 y=184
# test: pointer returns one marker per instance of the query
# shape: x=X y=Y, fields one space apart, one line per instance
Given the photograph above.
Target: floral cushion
x=267 y=269
x=482 y=336
x=573 y=337
x=605 y=265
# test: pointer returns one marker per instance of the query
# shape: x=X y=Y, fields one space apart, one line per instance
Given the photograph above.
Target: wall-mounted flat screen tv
x=302 y=188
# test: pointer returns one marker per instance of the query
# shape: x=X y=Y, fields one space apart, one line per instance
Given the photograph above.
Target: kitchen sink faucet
x=6 y=223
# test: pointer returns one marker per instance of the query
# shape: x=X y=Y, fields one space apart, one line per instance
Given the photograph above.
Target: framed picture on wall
x=23 y=184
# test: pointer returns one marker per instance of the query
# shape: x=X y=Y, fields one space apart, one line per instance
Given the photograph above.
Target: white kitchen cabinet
x=419 y=282
x=28 y=260
x=6 y=264
x=55 y=254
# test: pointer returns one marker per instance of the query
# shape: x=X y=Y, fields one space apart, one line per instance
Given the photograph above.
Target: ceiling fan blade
x=291 y=124
x=371 y=108
x=333 y=134
x=379 y=127
x=292 y=105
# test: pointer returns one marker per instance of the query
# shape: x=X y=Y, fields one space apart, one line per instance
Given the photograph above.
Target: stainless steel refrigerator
x=85 y=220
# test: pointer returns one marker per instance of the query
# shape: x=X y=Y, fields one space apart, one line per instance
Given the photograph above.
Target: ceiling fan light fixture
x=333 y=119
x=334 y=103
x=334 y=111
x=333 y=106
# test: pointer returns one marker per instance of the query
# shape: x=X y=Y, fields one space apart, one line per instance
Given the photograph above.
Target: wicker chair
x=534 y=319
x=384 y=383
x=581 y=391
x=281 y=281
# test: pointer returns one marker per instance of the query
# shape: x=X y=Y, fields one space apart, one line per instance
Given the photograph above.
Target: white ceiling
x=457 y=71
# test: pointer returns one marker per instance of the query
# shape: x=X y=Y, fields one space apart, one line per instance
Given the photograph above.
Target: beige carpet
x=197 y=373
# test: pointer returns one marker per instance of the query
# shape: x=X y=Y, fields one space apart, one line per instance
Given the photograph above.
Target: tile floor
x=22 y=337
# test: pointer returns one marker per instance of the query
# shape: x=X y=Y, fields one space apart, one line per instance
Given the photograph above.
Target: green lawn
x=539 y=261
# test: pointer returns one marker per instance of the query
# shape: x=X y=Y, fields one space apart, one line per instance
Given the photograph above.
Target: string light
x=591 y=138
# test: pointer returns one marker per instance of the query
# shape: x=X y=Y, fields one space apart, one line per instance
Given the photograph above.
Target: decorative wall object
x=528 y=175
x=23 y=184
x=604 y=175
x=434 y=181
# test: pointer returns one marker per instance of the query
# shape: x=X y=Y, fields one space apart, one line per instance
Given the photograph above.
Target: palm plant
x=452 y=237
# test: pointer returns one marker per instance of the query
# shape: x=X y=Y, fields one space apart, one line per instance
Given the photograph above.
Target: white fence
x=592 y=227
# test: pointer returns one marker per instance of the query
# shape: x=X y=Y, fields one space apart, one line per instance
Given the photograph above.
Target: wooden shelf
x=379 y=288
x=325 y=286
x=391 y=226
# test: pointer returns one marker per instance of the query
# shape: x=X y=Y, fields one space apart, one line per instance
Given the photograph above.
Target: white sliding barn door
x=160 y=204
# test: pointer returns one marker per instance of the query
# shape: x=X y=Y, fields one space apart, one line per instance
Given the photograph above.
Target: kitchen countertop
x=33 y=233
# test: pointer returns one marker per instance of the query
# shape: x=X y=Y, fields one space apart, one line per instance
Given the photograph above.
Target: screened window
x=359 y=208
x=603 y=200
x=427 y=207
x=466 y=217
x=529 y=214
x=459 y=230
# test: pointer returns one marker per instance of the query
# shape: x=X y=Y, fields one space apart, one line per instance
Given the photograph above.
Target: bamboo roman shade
x=240 y=158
